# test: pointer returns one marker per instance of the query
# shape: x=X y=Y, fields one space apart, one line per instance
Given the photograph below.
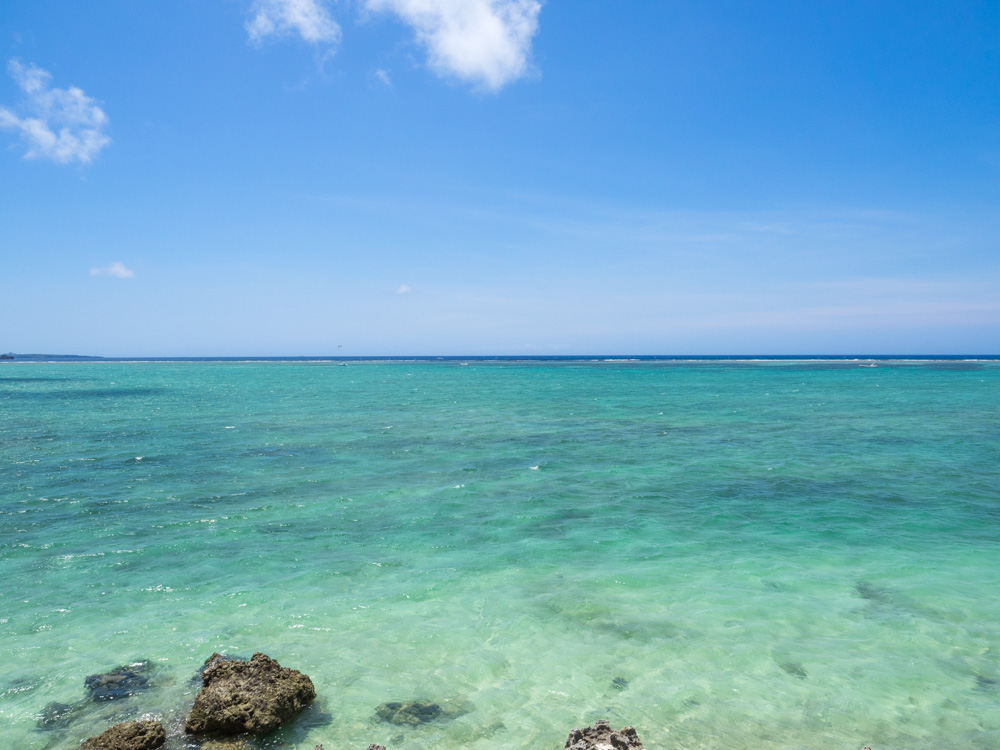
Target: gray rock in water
x=253 y=697
x=129 y=735
x=408 y=712
x=119 y=683
x=602 y=737
x=373 y=746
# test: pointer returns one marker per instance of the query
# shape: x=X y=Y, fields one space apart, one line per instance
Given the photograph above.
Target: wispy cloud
x=404 y=289
x=383 y=76
x=116 y=270
x=486 y=42
x=308 y=19
x=63 y=125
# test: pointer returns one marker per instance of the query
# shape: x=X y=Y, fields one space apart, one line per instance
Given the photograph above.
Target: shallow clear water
x=727 y=555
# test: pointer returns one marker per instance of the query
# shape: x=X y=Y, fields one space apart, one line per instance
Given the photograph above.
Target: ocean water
x=723 y=554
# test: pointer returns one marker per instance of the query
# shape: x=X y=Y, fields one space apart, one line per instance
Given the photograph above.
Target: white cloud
x=383 y=76
x=63 y=125
x=116 y=269
x=486 y=42
x=307 y=18
x=404 y=289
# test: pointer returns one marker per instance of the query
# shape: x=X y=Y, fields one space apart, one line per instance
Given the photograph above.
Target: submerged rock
x=253 y=697
x=602 y=737
x=20 y=685
x=619 y=683
x=129 y=735
x=986 y=684
x=794 y=669
x=420 y=711
x=870 y=592
x=59 y=715
x=408 y=712
x=228 y=743
x=119 y=683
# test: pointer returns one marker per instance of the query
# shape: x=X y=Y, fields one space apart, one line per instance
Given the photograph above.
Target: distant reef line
x=609 y=358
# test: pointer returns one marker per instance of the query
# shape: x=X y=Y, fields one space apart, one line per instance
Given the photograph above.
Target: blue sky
x=363 y=177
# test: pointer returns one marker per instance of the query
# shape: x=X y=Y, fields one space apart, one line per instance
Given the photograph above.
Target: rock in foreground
x=602 y=737
x=129 y=735
x=199 y=677
x=252 y=697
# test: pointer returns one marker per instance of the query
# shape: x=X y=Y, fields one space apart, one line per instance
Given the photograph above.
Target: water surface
x=723 y=554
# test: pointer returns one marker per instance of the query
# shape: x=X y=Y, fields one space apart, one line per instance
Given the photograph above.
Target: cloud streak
x=308 y=19
x=485 y=42
x=62 y=125
x=116 y=270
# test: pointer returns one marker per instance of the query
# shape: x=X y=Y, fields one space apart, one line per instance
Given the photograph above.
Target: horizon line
x=39 y=357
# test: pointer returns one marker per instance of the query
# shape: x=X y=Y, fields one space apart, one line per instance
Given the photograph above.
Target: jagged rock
x=408 y=712
x=602 y=737
x=121 y=682
x=199 y=677
x=129 y=735
x=252 y=697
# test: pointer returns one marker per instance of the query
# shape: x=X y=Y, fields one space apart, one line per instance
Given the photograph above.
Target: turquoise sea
x=724 y=554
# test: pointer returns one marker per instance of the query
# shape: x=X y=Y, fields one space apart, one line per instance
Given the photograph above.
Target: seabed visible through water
x=724 y=555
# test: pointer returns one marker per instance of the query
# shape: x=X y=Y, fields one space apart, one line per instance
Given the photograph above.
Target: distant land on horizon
x=47 y=357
